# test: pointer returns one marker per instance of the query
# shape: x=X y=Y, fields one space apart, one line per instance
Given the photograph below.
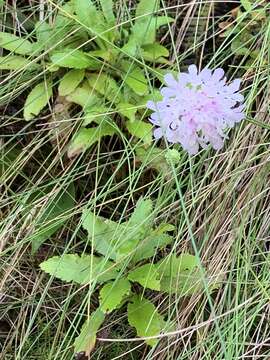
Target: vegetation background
x=217 y=203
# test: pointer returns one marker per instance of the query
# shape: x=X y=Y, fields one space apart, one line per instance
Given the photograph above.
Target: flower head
x=197 y=109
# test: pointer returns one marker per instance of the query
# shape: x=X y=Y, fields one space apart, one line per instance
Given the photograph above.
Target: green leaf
x=15 y=62
x=147 y=276
x=128 y=110
x=146 y=8
x=84 y=96
x=158 y=159
x=247 y=5
x=70 y=81
x=113 y=293
x=92 y=19
x=134 y=77
x=16 y=44
x=85 y=138
x=142 y=215
x=50 y=218
x=181 y=274
x=154 y=52
x=85 y=342
x=106 y=86
x=8 y=157
x=143 y=315
x=148 y=247
x=80 y=269
x=96 y=114
x=74 y=59
x=118 y=240
x=44 y=35
x=37 y=99
x=141 y=130
x=107 y=9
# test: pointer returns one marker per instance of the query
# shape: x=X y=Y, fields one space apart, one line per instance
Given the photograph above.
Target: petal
x=170 y=80
x=158 y=133
x=206 y=75
x=218 y=74
x=151 y=105
x=192 y=69
x=234 y=86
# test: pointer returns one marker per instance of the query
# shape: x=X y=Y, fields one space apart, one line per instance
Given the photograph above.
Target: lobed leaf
x=147 y=276
x=80 y=269
x=112 y=294
x=143 y=315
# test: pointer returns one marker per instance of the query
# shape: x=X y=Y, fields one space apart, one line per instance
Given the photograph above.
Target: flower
x=197 y=109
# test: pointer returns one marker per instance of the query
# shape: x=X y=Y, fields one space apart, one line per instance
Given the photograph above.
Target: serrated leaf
x=15 y=62
x=80 y=269
x=84 y=96
x=74 y=59
x=92 y=19
x=96 y=114
x=16 y=44
x=154 y=52
x=247 y=5
x=105 y=85
x=85 y=342
x=51 y=217
x=37 y=99
x=70 y=81
x=142 y=215
x=181 y=274
x=134 y=77
x=143 y=315
x=85 y=138
x=112 y=294
x=118 y=240
x=158 y=159
x=141 y=130
x=149 y=246
x=147 y=276
x=128 y=110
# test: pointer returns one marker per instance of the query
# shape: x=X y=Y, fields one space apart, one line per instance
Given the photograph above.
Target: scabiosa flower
x=197 y=109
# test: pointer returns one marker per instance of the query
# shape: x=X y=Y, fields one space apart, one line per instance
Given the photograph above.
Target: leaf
x=134 y=77
x=85 y=342
x=84 y=96
x=107 y=9
x=106 y=86
x=147 y=276
x=16 y=44
x=158 y=159
x=8 y=157
x=44 y=35
x=80 y=269
x=154 y=52
x=142 y=215
x=117 y=240
x=146 y=8
x=96 y=114
x=92 y=19
x=180 y=274
x=148 y=247
x=70 y=81
x=128 y=110
x=74 y=59
x=141 y=130
x=143 y=315
x=37 y=99
x=85 y=138
x=247 y=5
x=15 y=62
x=52 y=216
x=112 y=294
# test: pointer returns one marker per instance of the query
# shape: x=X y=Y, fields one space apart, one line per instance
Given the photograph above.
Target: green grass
x=219 y=202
